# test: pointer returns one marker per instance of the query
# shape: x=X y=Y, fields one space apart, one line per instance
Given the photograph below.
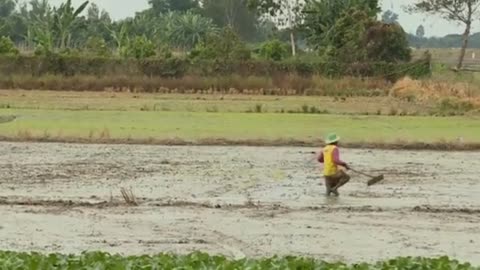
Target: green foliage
x=164 y=6
x=387 y=42
x=186 y=30
x=274 y=50
x=6 y=8
x=389 y=17
x=7 y=46
x=64 y=20
x=357 y=37
x=420 y=33
x=99 y=260
x=233 y=14
x=322 y=16
x=71 y=64
x=223 y=47
x=140 y=47
x=98 y=47
x=346 y=40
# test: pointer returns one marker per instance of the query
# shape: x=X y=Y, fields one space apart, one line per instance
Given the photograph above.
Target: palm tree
x=188 y=29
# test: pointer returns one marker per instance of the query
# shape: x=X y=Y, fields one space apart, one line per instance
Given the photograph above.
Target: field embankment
x=108 y=117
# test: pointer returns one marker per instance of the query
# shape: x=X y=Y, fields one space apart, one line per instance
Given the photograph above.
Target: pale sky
x=434 y=26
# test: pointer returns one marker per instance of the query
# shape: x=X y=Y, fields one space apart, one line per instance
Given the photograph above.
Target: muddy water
x=238 y=201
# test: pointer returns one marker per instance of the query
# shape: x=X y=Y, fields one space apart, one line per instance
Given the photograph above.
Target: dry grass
x=452 y=98
x=427 y=89
x=129 y=197
x=290 y=84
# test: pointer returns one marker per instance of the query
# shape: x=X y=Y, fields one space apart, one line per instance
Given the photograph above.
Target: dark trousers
x=334 y=182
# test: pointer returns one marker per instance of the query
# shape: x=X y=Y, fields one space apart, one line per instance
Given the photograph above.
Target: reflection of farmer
x=335 y=177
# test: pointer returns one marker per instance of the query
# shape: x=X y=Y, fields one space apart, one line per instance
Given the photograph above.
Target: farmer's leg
x=343 y=178
x=330 y=183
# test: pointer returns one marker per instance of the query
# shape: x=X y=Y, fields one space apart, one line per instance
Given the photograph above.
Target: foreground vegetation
x=98 y=260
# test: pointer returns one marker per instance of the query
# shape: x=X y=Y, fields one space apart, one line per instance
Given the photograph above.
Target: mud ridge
x=435 y=146
x=247 y=205
x=58 y=203
x=429 y=209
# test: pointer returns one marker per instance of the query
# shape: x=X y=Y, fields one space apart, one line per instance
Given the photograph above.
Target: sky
x=434 y=26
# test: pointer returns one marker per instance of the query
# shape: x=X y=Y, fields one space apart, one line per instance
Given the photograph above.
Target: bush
x=98 y=47
x=7 y=47
x=139 y=47
x=450 y=107
x=69 y=65
x=274 y=50
x=223 y=47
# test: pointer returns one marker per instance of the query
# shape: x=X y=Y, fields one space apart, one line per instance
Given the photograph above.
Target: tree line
x=347 y=31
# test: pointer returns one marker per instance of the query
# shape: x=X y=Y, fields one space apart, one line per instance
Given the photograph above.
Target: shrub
x=97 y=46
x=449 y=106
x=7 y=47
x=223 y=47
x=274 y=50
x=139 y=47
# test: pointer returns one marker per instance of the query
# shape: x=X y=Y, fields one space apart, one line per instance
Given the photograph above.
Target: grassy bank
x=98 y=260
x=266 y=128
x=110 y=101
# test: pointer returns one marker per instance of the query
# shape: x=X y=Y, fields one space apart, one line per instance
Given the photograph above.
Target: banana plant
x=39 y=22
x=120 y=36
x=64 y=20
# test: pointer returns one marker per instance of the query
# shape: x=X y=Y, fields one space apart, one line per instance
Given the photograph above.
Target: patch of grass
x=451 y=107
x=135 y=125
x=101 y=101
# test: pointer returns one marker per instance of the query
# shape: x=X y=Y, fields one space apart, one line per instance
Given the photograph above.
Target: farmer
x=335 y=177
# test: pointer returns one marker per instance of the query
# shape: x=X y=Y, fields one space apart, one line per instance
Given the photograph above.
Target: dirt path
x=239 y=201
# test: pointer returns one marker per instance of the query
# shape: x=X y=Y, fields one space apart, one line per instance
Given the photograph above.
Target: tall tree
x=463 y=11
x=322 y=15
x=6 y=8
x=288 y=14
x=37 y=17
x=164 y=6
x=97 y=23
x=389 y=17
x=420 y=31
x=233 y=14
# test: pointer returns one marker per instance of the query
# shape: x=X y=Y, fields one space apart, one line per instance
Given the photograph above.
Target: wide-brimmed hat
x=332 y=138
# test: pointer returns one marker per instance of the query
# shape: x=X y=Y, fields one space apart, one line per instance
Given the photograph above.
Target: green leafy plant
x=274 y=50
x=100 y=260
x=7 y=46
x=139 y=47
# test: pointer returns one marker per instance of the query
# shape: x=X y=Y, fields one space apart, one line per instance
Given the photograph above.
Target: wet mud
x=237 y=201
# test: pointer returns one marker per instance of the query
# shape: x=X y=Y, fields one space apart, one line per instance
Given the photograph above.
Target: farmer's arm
x=337 y=160
x=320 y=157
